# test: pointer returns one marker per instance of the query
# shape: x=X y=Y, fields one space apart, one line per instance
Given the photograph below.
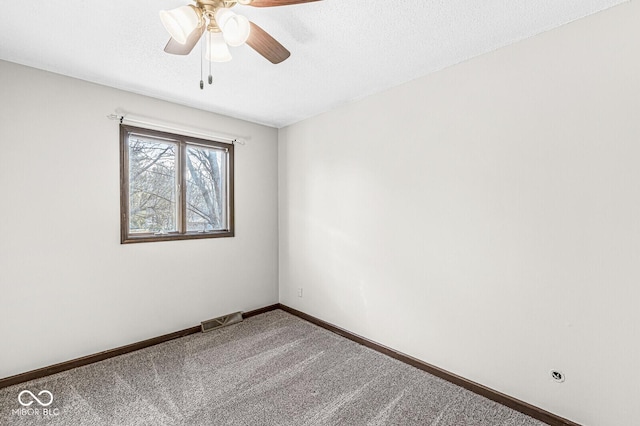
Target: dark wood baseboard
x=516 y=404
x=100 y=356
x=501 y=398
x=90 y=359
x=259 y=311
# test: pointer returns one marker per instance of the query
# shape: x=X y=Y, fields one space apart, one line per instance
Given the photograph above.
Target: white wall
x=68 y=288
x=486 y=218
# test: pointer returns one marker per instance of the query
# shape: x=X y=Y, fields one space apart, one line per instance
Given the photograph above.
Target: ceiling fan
x=223 y=27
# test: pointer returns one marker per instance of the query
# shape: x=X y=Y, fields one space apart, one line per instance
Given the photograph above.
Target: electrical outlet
x=557 y=376
x=299 y=291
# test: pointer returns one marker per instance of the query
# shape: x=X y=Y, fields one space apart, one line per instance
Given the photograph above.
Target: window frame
x=183 y=142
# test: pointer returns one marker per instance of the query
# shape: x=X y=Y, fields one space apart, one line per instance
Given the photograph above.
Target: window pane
x=206 y=186
x=152 y=185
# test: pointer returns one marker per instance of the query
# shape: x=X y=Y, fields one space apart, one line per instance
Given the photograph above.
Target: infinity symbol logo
x=35 y=397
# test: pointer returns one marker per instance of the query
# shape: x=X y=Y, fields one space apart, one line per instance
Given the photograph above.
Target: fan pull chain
x=201 y=55
x=209 y=44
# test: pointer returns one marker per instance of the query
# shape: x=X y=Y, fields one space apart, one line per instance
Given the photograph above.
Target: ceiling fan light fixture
x=217 y=49
x=181 y=21
x=235 y=28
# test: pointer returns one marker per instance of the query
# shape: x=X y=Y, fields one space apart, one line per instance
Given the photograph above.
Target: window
x=174 y=187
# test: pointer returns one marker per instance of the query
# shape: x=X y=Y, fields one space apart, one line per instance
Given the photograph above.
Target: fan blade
x=271 y=3
x=176 y=48
x=267 y=46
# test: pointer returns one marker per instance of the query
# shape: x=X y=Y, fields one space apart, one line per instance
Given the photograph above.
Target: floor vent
x=222 y=321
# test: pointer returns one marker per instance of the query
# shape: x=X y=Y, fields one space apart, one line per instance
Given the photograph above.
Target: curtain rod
x=221 y=137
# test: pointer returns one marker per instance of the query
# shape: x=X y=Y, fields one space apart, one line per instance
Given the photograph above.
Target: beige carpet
x=272 y=369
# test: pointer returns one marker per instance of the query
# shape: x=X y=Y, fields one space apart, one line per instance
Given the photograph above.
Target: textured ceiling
x=341 y=49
